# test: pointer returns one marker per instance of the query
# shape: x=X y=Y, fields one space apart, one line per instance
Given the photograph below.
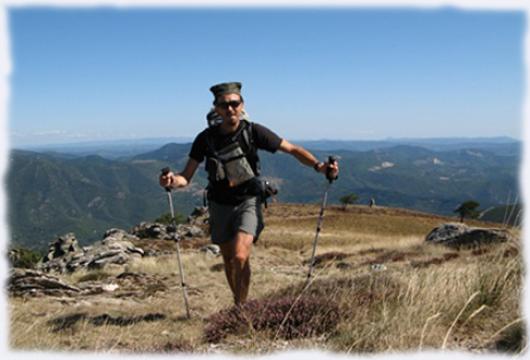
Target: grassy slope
x=424 y=299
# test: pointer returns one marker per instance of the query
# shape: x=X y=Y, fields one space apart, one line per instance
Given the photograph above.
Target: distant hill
x=51 y=194
x=499 y=145
x=108 y=149
x=507 y=214
x=129 y=148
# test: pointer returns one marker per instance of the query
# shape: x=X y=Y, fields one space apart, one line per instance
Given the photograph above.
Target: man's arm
x=306 y=158
x=181 y=179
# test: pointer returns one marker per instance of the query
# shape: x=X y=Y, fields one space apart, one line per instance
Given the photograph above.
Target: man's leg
x=228 y=252
x=236 y=255
x=243 y=246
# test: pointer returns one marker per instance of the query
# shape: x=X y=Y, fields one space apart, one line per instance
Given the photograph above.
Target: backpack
x=238 y=161
x=218 y=162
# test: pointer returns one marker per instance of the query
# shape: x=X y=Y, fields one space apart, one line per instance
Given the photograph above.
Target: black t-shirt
x=220 y=192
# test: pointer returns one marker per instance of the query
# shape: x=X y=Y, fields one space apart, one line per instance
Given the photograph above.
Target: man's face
x=229 y=106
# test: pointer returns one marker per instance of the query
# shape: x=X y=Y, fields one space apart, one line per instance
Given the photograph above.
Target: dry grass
x=470 y=301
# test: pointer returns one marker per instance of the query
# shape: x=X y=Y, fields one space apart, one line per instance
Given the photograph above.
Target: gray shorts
x=227 y=220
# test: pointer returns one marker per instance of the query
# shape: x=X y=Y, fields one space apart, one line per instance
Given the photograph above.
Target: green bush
x=468 y=209
x=348 y=199
x=166 y=219
x=24 y=258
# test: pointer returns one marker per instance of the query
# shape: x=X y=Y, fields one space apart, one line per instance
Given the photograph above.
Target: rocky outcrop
x=147 y=230
x=34 y=283
x=196 y=226
x=115 y=248
x=461 y=235
x=37 y=283
x=62 y=246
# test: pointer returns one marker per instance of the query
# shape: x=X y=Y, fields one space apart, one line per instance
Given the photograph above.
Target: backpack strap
x=248 y=138
x=245 y=131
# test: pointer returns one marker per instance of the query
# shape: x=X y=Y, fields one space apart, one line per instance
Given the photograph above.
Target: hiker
x=234 y=190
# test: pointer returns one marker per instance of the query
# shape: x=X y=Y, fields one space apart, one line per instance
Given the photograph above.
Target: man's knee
x=243 y=247
x=241 y=257
x=243 y=238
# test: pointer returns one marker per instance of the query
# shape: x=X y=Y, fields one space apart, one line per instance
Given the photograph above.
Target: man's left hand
x=333 y=167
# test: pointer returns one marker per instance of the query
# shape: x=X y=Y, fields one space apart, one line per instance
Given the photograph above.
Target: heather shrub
x=350 y=293
x=288 y=317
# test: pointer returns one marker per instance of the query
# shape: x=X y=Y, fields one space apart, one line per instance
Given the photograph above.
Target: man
x=232 y=165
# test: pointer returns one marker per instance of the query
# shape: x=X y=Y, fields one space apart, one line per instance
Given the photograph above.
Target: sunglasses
x=225 y=105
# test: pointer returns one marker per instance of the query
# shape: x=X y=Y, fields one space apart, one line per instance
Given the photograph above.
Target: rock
x=24 y=282
x=152 y=231
x=110 y=287
x=13 y=256
x=114 y=249
x=459 y=234
x=62 y=246
x=167 y=232
x=146 y=230
x=211 y=249
x=377 y=267
x=199 y=216
x=110 y=257
x=190 y=231
x=119 y=235
x=134 y=250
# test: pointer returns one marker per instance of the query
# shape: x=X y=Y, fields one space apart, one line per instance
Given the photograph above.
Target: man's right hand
x=166 y=180
x=172 y=181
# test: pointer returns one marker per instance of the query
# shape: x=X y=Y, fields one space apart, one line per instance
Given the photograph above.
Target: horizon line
x=189 y=139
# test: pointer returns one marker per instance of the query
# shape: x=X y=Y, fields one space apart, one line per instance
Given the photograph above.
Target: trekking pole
x=165 y=171
x=331 y=160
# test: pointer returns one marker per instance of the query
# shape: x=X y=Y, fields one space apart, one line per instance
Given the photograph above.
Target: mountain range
x=51 y=193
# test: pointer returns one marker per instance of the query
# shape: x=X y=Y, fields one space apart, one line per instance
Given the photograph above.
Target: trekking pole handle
x=166 y=171
x=331 y=160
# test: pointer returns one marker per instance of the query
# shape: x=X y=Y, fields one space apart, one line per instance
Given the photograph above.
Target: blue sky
x=347 y=73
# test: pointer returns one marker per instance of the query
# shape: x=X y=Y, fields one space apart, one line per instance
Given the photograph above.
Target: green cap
x=226 y=88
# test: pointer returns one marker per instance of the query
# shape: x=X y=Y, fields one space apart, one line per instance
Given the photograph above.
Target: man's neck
x=229 y=128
